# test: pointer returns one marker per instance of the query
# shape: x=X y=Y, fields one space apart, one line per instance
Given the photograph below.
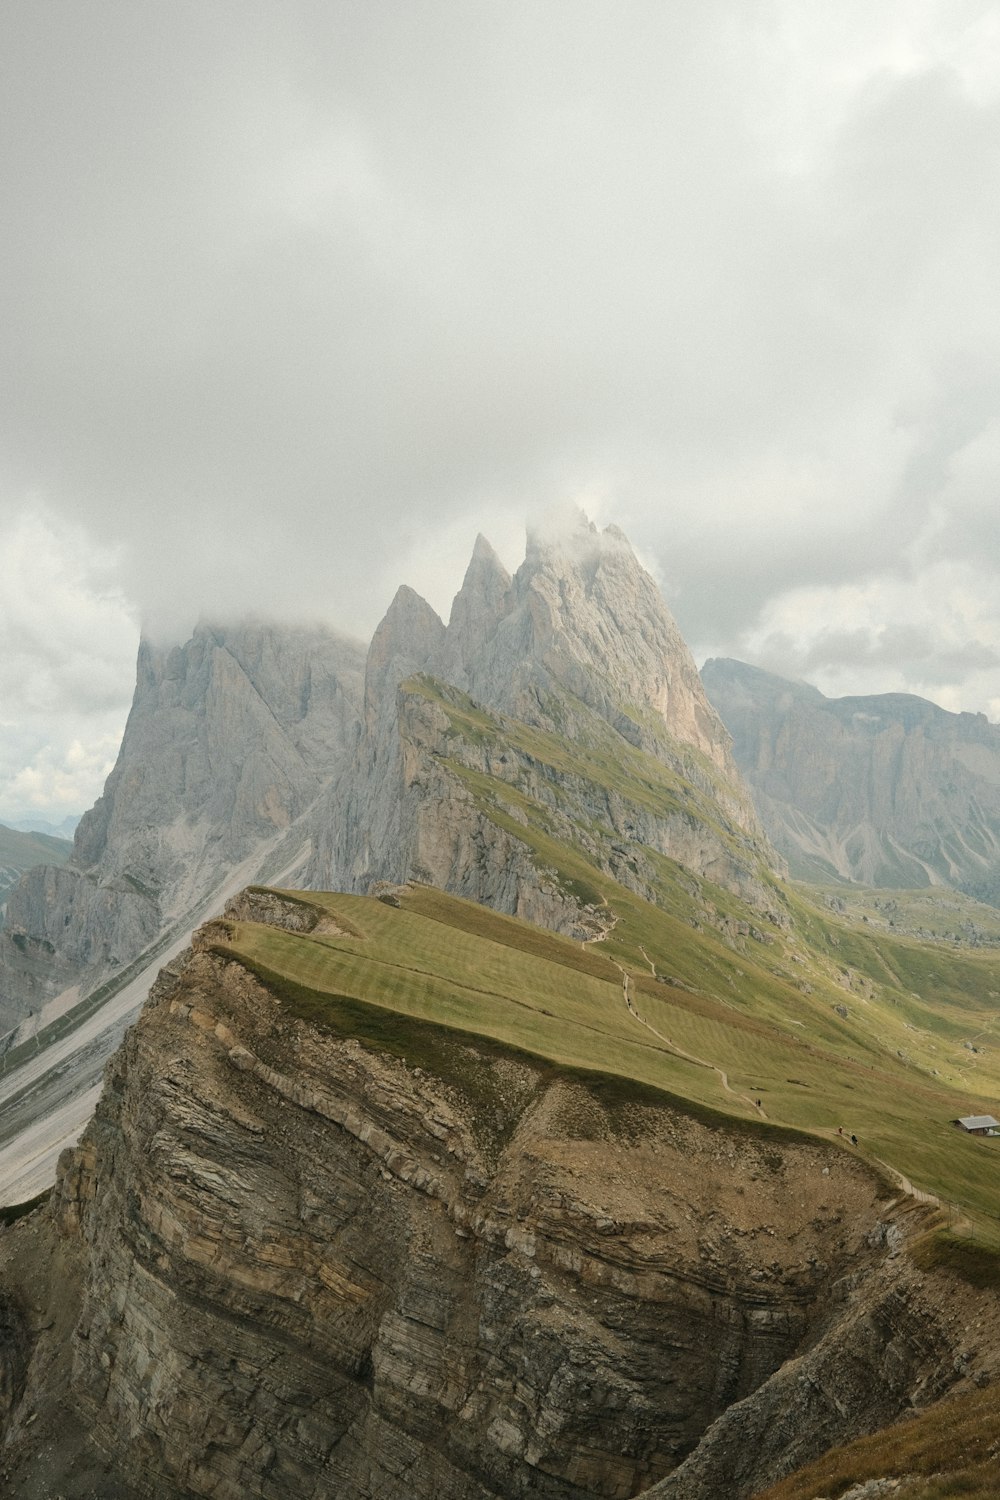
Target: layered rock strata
x=283 y=1263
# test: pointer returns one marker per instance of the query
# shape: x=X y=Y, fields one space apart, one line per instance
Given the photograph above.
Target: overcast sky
x=296 y=297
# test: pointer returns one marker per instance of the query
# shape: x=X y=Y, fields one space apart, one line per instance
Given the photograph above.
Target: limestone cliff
x=887 y=790
x=230 y=738
x=247 y=732
x=578 y=644
x=283 y=1263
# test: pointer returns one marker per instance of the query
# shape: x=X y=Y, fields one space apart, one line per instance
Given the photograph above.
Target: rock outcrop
x=229 y=740
x=580 y=644
x=888 y=790
x=250 y=734
x=281 y=1262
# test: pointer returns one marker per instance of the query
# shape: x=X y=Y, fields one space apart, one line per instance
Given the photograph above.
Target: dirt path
x=677 y=1051
x=652 y=966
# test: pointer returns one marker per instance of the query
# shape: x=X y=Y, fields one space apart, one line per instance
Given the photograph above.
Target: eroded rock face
x=303 y=1268
x=887 y=790
x=580 y=632
x=229 y=740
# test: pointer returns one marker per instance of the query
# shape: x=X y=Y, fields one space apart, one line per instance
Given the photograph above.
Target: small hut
x=979 y=1124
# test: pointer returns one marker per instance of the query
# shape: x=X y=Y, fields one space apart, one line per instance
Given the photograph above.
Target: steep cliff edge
x=887 y=790
x=286 y=1259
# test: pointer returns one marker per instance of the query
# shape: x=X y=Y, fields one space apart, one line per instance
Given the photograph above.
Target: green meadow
x=436 y=971
x=843 y=1012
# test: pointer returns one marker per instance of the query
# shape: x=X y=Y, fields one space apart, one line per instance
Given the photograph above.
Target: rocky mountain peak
x=476 y=611
x=582 y=615
x=409 y=636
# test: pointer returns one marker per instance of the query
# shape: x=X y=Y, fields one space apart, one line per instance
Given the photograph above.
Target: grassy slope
x=948 y=1450
x=734 y=1014
x=401 y=975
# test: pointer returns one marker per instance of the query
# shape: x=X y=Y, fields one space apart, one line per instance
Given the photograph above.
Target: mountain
x=887 y=790
x=402 y=1198
x=20 y=850
x=567 y=693
x=64 y=829
x=260 y=748
x=393 y=1193
x=230 y=738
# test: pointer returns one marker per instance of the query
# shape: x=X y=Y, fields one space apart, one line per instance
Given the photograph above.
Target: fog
x=298 y=297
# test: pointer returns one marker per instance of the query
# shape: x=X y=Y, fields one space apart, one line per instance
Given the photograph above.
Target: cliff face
x=247 y=733
x=230 y=738
x=294 y=1265
x=886 y=790
x=579 y=643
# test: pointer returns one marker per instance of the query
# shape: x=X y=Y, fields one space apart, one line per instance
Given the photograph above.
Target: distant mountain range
x=64 y=829
x=21 y=849
x=886 y=790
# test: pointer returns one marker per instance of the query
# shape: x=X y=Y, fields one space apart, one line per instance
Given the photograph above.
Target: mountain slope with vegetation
x=552 y=1142
x=499 y=1211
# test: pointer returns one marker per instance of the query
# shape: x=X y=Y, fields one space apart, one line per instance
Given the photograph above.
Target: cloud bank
x=299 y=297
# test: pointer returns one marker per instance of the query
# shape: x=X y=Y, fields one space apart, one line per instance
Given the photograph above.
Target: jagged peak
x=407 y=611
x=484 y=552
x=565 y=539
x=486 y=581
x=410 y=634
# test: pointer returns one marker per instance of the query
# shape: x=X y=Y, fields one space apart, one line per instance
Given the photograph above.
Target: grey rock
x=229 y=740
x=888 y=790
x=279 y=1263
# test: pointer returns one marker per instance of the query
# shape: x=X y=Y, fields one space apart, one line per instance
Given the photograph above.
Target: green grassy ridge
x=874 y=1033
x=599 y=755
x=473 y=986
x=464 y=971
x=445 y=1050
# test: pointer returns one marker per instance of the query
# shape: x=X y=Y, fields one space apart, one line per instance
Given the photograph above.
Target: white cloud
x=935 y=633
x=67 y=666
x=297 y=298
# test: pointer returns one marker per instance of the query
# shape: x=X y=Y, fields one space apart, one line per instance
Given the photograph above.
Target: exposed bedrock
x=297 y=1267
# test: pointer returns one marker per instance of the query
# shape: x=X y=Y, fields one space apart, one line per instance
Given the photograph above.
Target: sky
x=297 y=297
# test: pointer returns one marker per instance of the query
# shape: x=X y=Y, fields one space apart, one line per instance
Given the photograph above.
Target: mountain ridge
x=885 y=790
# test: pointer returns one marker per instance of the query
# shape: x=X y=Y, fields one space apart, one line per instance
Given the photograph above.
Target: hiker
x=854 y=1140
